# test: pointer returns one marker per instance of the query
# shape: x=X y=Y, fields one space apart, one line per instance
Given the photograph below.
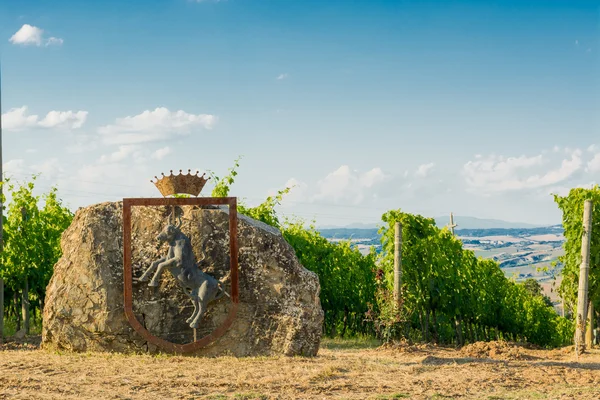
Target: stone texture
x=279 y=310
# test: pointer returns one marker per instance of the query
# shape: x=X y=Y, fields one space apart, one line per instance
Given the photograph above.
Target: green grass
x=356 y=343
x=250 y=396
x=238 y=396
x=392 y=396
x=10 y=326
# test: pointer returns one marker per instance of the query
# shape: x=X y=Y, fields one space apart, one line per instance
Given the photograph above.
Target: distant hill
x=513 y=232
x=350 y=233
x=479 y=223
x=462 y=222
x=372 y=234
x=356 y=225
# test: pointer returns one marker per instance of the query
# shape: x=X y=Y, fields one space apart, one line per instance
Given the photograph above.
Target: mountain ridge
x=462 y=222
x=466 y=222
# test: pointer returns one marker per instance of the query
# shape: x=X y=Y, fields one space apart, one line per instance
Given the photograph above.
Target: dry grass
x=347 y=370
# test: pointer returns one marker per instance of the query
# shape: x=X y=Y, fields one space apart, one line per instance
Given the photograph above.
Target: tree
x=32 y=244
x=534 y=288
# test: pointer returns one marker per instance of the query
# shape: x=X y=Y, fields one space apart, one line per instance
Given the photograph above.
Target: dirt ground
x=347 y=370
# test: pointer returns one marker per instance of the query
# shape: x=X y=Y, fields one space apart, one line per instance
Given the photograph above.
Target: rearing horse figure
x=181 y=263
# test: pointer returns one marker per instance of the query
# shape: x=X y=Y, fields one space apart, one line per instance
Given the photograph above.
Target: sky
x=480 y=108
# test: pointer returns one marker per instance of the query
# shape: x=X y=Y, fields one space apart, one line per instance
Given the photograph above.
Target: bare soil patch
x=498 y=350
x=496 y=370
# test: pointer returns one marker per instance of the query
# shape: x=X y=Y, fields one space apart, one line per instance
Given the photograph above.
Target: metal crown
x=180 y=184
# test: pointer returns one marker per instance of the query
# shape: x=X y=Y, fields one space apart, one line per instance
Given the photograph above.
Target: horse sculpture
x=181 y=263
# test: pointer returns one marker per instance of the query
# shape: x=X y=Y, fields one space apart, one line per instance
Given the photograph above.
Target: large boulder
x=279 y=310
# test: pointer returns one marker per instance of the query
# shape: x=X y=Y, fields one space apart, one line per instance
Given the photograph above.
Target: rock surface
x=279 y=310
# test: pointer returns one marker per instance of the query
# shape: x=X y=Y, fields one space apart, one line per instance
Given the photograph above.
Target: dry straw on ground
x=478 y=371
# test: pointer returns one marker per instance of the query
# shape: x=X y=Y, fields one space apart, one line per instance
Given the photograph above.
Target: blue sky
x=480 y=108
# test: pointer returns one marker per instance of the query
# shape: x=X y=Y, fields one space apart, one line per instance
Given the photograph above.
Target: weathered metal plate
x=128 y=270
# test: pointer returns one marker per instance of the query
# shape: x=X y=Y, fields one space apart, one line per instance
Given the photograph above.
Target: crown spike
x=180 y=184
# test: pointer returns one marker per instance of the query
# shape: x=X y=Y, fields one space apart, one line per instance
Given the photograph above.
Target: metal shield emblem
x=198 y=343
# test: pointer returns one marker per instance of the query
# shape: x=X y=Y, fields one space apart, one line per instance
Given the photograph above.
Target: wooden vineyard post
x=1 y=307
x=589 y=331
x=584 y=269
x=597 y=339
x=25 y=293
x=25 y=307
x=397 y=264
x=452 y=224
x=1 y=223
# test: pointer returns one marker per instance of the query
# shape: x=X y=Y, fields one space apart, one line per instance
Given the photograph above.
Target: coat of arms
x=179 y=260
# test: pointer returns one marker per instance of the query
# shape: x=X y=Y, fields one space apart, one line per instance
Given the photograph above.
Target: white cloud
x=347 y=185
x=69 y=119
x=371 y=178
x=54 y=41
x=81 y=144
x=32 y=35
x=50 y=168
x=124 y=153
x=564 y=190
x=567 y=168
x=159 y=124
x=135 y=182
x=17 y=119
x=16 y=166
x=497 y=173
x=424 y=170
x=161 y=153
x=594 y=164
x=297 y=194
x=27 y=35
x=343 y=185
x=296 y=185
x=281 y=77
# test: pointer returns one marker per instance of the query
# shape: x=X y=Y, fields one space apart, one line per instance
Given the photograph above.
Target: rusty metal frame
x=128 y=271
